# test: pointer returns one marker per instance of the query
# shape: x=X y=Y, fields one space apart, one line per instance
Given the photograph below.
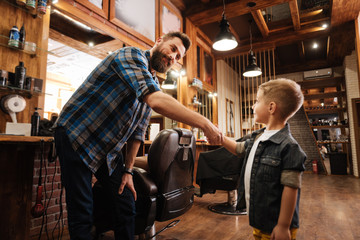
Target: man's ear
x=158 y=41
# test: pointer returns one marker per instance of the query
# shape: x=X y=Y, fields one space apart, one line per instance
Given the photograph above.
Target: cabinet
x=326 y=109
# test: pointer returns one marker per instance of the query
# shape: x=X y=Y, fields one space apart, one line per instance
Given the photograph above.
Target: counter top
x=14 y=138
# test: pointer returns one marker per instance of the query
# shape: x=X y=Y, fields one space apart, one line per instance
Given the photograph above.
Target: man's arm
x=288 y=203
x=171 y=108
x=127 y=180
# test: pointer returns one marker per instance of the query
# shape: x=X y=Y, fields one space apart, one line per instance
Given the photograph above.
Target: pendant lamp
x=251 y=70
x=225 y=40
x=170 y=81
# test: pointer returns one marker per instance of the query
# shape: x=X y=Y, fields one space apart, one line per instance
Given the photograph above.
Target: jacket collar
x=277 y=137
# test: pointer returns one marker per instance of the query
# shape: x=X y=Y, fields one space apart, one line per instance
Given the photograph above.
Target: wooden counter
x=16 y=183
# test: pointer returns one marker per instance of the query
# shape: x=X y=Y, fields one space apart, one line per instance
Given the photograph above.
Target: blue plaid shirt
x=108 y=109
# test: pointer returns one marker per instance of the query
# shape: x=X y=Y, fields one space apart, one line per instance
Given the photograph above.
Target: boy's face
x=261 y=113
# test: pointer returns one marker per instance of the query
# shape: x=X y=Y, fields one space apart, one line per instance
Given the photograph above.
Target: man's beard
x=157 y=63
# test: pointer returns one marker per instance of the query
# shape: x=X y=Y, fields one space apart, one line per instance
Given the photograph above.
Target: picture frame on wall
x=170 y=19
x=100 y=7
x=230 y=118
x=208 y=68
x=138 y=17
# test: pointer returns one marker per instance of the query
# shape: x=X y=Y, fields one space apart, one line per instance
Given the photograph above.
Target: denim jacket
x=280 y=152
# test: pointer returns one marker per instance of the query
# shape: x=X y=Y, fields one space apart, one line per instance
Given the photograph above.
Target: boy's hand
x=280 y=233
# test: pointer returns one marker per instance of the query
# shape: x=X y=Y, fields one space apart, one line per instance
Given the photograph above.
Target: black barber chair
x=165 y=191
x=220 y=170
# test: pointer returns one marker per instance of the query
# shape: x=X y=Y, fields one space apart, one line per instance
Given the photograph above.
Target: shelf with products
x=325 y=105
x=329 y=126
x=35 y=12
x=21 y=91
x=29 y=48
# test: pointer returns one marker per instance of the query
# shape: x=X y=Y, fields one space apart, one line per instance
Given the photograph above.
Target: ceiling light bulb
x=91 y=44
x=315 y=45
x=324 y=25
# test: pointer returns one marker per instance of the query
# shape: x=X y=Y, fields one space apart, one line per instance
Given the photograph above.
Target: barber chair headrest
x=164 y=149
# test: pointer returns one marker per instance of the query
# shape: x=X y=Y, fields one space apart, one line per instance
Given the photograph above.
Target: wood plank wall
x=241 y=90
x=37 y=30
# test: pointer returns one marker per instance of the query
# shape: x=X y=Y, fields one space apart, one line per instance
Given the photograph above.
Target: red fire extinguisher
x=315 y=167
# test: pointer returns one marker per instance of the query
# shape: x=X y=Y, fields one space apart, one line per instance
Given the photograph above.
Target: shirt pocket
x=270 y=168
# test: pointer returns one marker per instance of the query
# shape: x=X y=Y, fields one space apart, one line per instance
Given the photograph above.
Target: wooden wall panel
x=36 y=31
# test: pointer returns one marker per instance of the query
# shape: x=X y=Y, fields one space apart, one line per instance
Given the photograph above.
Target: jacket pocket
x=270 y=168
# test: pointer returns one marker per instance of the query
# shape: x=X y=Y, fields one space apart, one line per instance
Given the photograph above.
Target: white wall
x=352 y=91
x=228 y=87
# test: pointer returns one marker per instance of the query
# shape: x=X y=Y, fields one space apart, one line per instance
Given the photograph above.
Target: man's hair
x=184 y=38
x=285 y=93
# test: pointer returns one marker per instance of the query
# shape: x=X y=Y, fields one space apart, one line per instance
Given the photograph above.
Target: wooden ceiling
x=291 y=26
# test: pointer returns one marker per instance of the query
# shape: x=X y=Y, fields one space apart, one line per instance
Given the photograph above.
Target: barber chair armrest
x=143 y=183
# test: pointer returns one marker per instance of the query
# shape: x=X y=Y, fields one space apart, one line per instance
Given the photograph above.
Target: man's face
x=166 y=54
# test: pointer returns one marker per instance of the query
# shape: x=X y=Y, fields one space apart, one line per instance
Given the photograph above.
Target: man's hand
x=127 y=180
x=280 y=233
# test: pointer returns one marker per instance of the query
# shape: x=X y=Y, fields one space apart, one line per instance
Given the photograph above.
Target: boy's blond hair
x=285 y=93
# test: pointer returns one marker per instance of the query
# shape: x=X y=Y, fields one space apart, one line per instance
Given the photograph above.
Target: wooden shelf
x=324 y=95
x=20 y=91
x=324 y=111
x=333 y=126
x=321 y=82
x=323 y=142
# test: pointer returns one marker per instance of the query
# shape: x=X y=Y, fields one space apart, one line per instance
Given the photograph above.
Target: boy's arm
x=288 y=203
x=236 y=148
x=229 y=144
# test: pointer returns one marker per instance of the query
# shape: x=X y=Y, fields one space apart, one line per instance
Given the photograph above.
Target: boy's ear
x=272 y=107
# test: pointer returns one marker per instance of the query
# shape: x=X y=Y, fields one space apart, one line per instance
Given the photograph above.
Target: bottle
x=21 y=2
x=35 y=121
x=41 y=7
x=22 y=37
x=31 y=4
x=20 y=73
x=14 y=37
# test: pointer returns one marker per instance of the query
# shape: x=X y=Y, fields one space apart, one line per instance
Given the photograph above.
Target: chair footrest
x=226 y=208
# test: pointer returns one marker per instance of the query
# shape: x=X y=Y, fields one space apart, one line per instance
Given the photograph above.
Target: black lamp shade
x=225 y=40
x=170 y=82
x=252 y=70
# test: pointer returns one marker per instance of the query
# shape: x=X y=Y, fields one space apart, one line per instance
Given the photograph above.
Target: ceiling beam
x=344 y=11
x=301 y=50
x=280 y=40
x=203 y=16
x=295 y=16
x=260 y=22
x=179 y=4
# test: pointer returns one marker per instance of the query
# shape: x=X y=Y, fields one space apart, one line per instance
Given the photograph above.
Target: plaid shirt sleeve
x=139 y=133
x=132 y=66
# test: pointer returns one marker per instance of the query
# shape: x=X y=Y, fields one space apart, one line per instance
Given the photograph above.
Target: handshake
x=213 y=134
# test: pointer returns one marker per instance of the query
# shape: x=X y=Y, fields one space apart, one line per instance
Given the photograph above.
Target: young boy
x=273 y=164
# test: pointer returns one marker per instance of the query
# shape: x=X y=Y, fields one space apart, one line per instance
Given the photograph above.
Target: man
x=111 y=107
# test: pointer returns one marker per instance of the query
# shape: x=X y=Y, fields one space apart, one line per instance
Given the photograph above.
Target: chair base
x=226 y=208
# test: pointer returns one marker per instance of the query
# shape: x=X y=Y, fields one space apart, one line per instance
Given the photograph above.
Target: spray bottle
x=35 y=121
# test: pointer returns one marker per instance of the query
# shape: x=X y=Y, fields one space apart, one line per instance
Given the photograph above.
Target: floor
x=329 y=210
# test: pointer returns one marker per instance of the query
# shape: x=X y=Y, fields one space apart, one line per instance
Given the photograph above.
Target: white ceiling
x=69 y=62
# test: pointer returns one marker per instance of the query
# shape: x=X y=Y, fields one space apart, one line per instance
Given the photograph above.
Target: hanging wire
x=224 y=8
x=250 y=36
